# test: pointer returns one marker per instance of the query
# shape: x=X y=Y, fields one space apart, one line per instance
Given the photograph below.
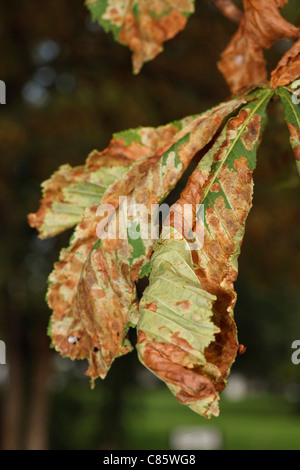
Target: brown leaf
x=56 y=212
x=68 y=334
x=142 y=25
x=288 y=68
x=115 y=265
x=242 y=63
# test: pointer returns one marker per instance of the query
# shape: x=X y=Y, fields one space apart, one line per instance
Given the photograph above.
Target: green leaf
x=292 y=117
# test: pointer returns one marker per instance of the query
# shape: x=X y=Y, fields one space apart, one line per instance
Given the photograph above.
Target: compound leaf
x=288 y=67
x=66 y=329
x=104 y=295
x=186 y=332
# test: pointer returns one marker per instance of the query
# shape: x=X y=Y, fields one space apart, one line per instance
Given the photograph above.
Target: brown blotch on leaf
x=215 y=188
x=146 y=36
x=141 y=337
x=236 y=123
x=184 y=304
x=295 y=138
x=152 y=307
x=241 y=166
x=180 y=342
x=252 y=131
x=166 y=361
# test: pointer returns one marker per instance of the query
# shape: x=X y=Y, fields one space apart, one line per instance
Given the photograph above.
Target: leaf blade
x=292 y=118
x=288 y=67
x=229 y=163
x=115 y=265
x=66 y=329
x=242 y=63
x=141 y=25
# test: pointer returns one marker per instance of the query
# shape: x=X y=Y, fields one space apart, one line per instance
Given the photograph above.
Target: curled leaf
x=223 y=184
x=142 y=25
x=68 y=334
x=242 y=63
x=288 y=68
x=70 y=191
x=176 y=324
x=103 y=301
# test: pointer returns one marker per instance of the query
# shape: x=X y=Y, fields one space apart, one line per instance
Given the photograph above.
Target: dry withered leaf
x=142 y=25
x=288 y=68
x=67 y=193
x=70 y=190
x=92 y=291
x=106 y=292
x=292 y=117
x=65 y=328
x=190 y=341
x=242 y=63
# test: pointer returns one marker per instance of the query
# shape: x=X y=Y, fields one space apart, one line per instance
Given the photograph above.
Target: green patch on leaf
x=138 y=247
x=129 y=136
x=292 y=116
x=146 y=269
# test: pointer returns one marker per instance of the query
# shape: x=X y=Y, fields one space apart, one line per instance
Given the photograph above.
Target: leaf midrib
x=269 y=92
x=281 y=94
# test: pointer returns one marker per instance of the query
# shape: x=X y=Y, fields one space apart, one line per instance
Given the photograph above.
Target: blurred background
x=69 y=87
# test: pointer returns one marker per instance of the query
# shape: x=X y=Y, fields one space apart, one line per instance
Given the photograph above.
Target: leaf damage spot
x=152 y=307
x=295 y=139
x=241 y=165
x=252 y=132
x=183 y=304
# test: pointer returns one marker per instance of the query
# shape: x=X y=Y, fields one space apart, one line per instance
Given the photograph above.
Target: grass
x=262 y=422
